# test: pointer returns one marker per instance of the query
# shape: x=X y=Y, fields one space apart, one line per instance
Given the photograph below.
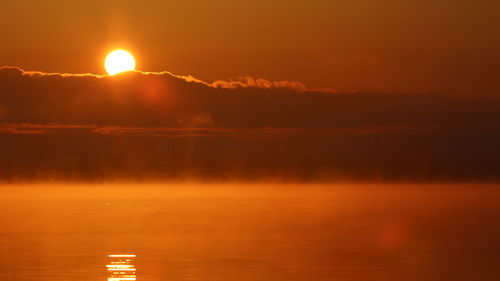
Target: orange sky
x=444 y=46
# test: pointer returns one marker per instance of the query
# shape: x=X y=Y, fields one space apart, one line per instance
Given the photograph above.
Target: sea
x=232 y=231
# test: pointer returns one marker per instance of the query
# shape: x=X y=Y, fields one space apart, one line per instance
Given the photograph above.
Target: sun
x=119 y=61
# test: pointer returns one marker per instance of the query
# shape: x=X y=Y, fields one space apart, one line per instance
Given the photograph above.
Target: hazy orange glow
x=119 y=61
x=282 y=140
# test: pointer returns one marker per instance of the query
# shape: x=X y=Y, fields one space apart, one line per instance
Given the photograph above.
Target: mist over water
x=267 y=231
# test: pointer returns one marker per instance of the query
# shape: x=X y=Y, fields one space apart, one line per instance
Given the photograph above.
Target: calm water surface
x=251 y=232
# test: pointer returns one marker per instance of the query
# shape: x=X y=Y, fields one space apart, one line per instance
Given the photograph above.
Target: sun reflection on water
x=121 y=268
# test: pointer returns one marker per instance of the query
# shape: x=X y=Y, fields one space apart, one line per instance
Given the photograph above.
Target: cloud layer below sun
x=165 y=126
x=168 y=100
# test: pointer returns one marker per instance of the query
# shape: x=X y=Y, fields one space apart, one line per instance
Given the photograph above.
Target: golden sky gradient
x=294 y=90
x=442 y=46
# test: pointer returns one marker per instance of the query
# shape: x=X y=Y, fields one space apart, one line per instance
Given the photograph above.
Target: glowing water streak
x=121 y=268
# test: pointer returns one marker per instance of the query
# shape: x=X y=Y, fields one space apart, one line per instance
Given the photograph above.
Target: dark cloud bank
x=159 y=126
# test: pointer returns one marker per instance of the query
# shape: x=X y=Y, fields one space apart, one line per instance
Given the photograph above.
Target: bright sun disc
x=119 y=61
